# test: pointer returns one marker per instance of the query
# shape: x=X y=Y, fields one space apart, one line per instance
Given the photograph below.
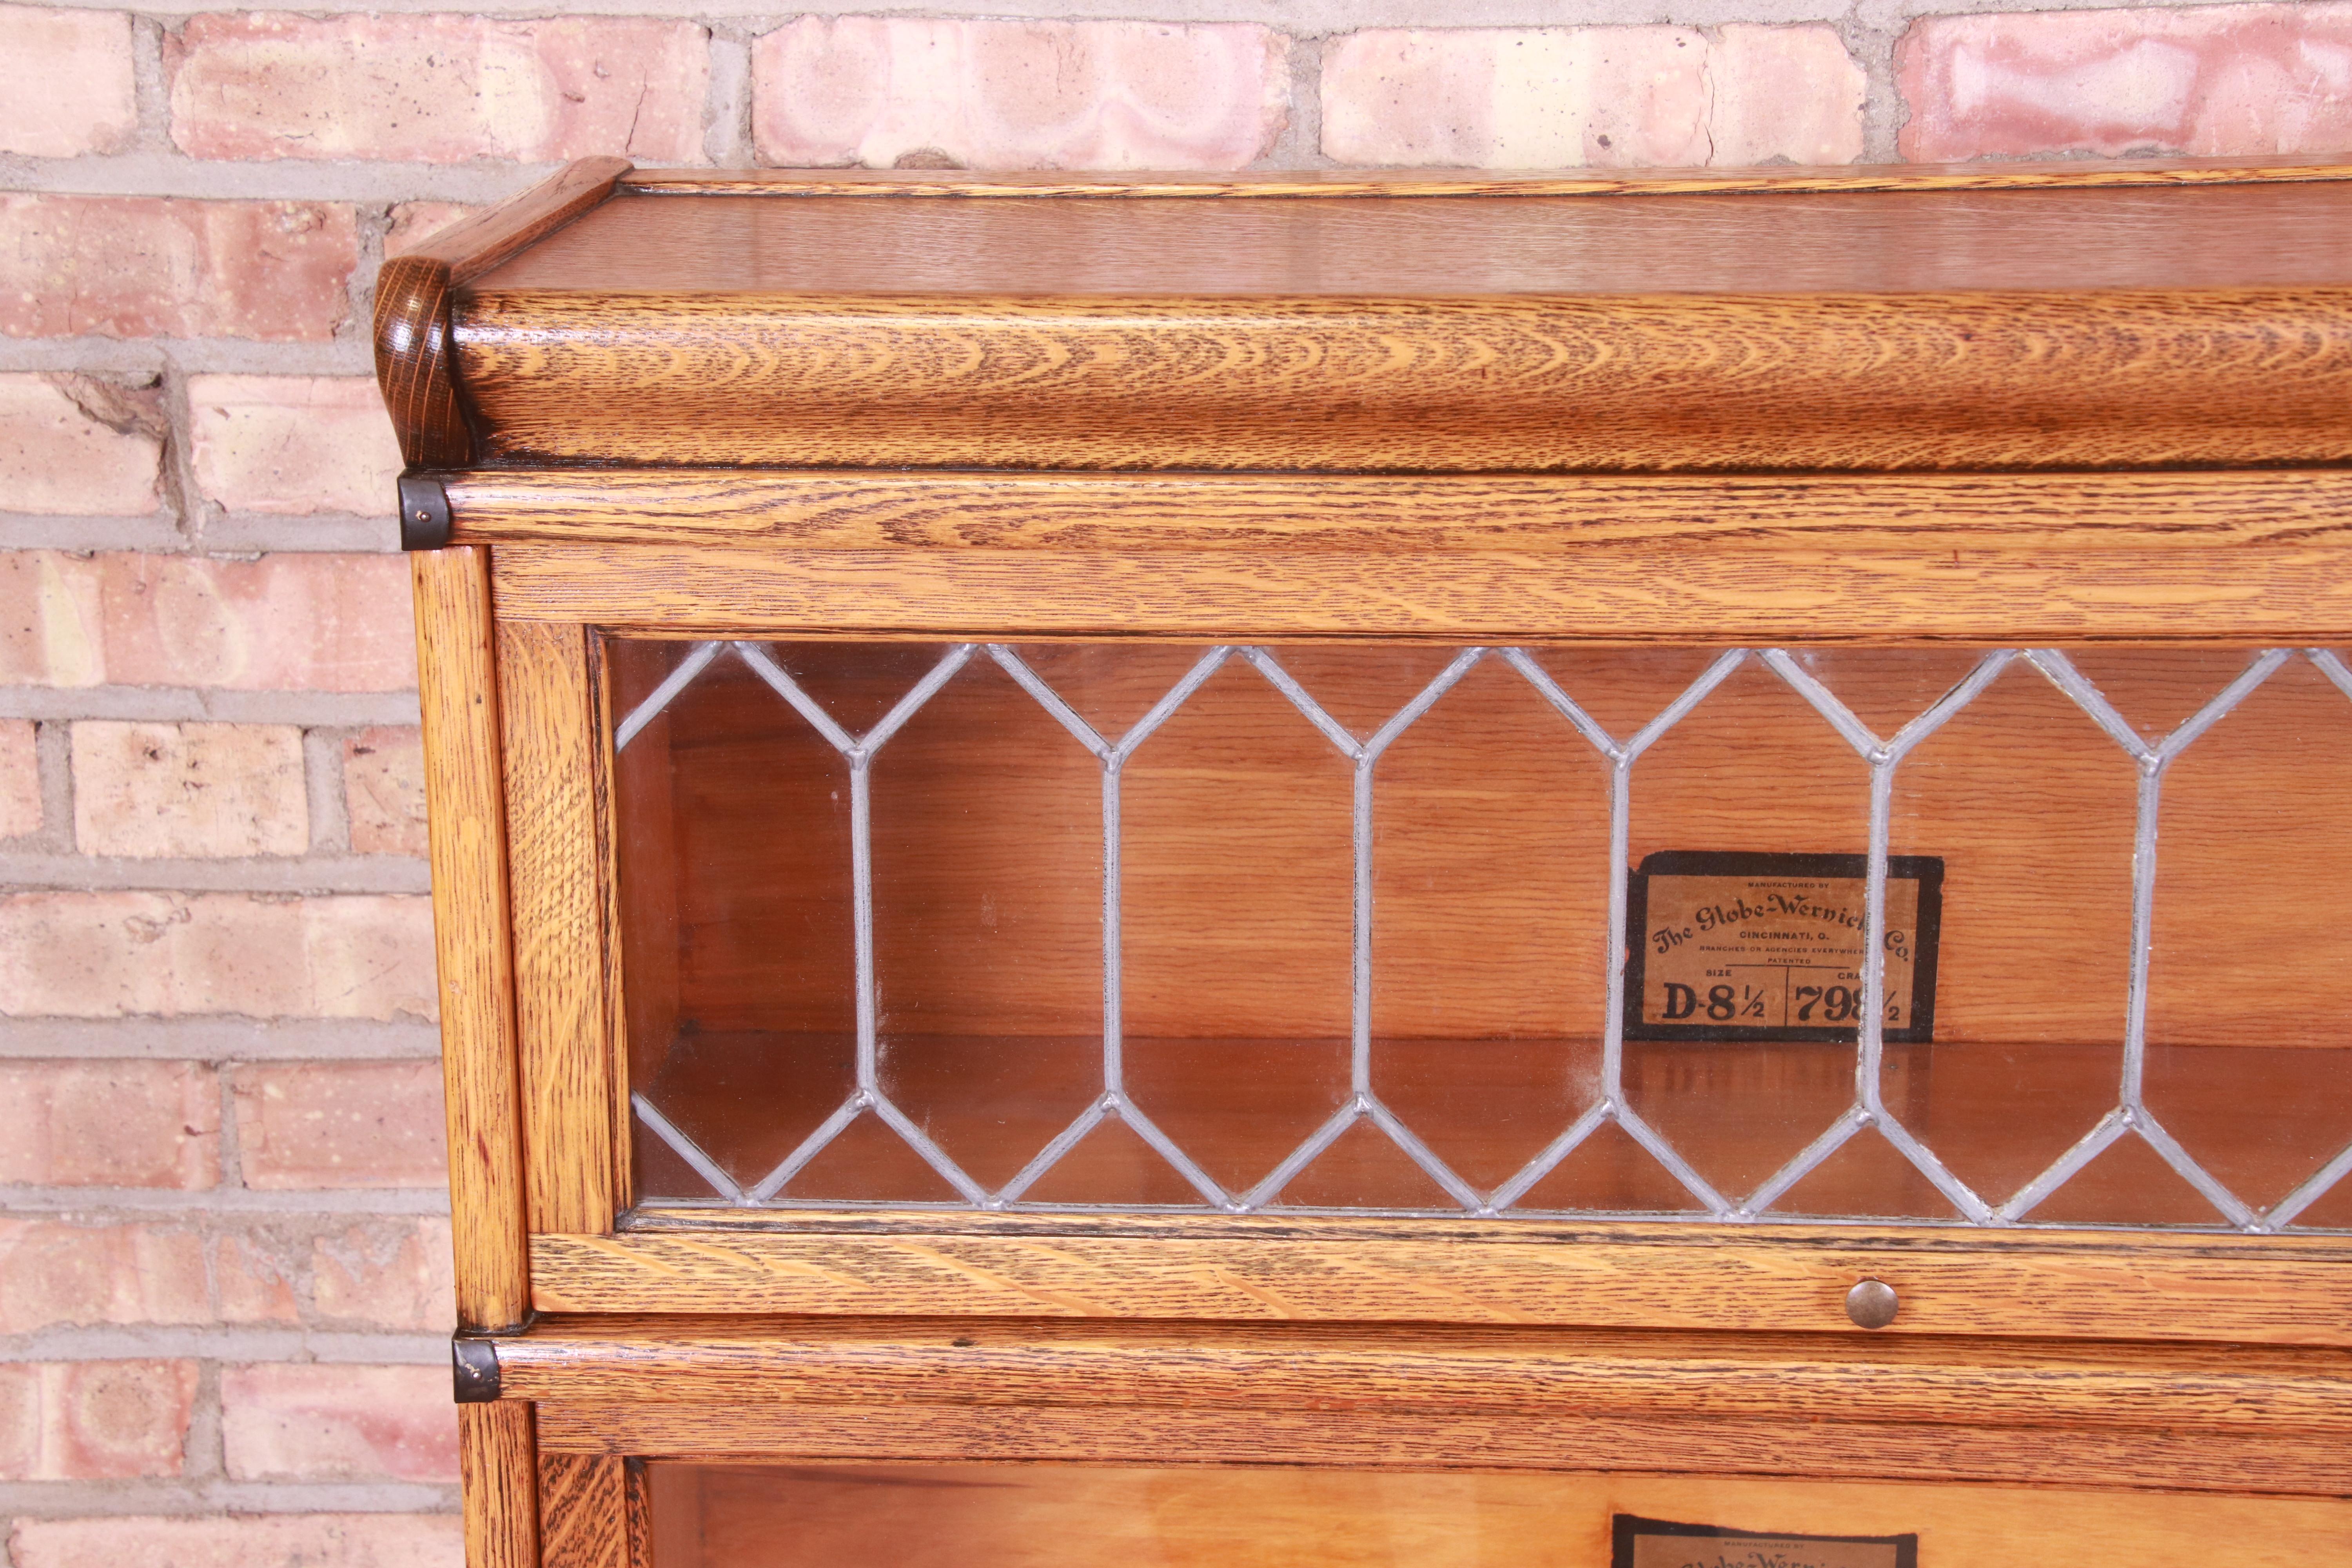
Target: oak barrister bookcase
x=1419 y=870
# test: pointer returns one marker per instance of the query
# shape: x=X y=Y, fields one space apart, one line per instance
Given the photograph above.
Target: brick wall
x=224 y=1249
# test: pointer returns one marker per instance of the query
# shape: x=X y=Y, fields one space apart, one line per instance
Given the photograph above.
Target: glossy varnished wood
x=411 y=306
x=582 y=1511
x=550 y=732
x=498 y=1466
x=1612 y=1275
x=1908 y=328
x=471 y=920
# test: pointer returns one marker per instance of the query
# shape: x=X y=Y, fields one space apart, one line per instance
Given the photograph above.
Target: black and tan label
x=1769 y=947
x=1656 y=1543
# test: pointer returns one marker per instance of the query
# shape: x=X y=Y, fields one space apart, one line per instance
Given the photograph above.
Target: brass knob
x=1871 y=1304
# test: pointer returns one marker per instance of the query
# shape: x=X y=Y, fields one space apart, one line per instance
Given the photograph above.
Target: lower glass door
x=1072 y=1516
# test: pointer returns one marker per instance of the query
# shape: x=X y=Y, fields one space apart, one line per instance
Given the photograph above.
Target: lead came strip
x=2129 y=1116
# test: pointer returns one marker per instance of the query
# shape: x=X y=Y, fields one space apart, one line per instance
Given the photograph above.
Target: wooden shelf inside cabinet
x=1258 y=868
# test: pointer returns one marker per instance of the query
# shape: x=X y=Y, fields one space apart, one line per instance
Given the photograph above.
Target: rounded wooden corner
x=414 y=364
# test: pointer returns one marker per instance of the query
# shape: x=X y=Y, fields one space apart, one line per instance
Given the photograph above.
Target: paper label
x=1723 y=946
x=1657 y=1543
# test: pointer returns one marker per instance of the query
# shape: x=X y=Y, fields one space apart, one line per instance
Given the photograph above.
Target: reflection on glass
x=1327 y=927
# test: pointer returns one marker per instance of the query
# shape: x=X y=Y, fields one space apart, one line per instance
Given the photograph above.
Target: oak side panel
x=458 y=686
x=1701 y=1278
x=2276 y=1463
x=1607 y=594
x=583 y=1513
x=497 y=1465
x=557 y=871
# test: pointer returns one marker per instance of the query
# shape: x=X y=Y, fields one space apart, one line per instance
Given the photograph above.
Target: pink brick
x=309 y=1422
x=1615 y=97
x=2209 y=81
x=78 y=446
x=360 y=1124
x=1018 y=94
x=52 y=618
x=386 y=1276
x=292 y=443
x=56 y=1274
x=20 y=779
x=437 y=88
x=283 y=623
x=109 y=1123
x=243 y=1541
x=66 y=85
x=414 y=223
x=196 y=790
x=383 y=790
x=141 y=267
x=256 y=1279
x=118 y=954
x=94 y=1420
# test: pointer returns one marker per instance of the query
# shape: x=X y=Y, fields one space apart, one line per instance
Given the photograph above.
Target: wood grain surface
x=1608 y=594
x=582 y=1511
x=2272 y=1462
x=458 y=681
x=1621 y=1275
x=843 y=1515
x=497 y=1468
x=2212 y=510
x=2125 y=376
x=556 y=869
x=411 y=306
x=1985 y=175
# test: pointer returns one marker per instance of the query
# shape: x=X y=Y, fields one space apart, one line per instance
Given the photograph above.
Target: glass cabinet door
x=1959 y=936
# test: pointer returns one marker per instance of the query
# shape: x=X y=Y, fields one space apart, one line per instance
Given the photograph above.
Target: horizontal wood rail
x=2275 y=1419
x=2089 y=1285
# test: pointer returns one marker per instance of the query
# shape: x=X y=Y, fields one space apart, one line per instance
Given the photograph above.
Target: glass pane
x=1070 y=1516
x=1328 y=928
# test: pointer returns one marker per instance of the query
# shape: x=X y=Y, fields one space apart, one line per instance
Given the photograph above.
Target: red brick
x=414 y=223
x=94 y=1420
x=20 y=779
x=256 y=1279
x=111 y=955
x=880 y=91
x=383 y=790
x=338 y=1423
x=141 y=267
x=1561 y=97
x=437 y=88
x=2208 y=80
x=75 y=444
x=193 y=790
x=292 y=443
x=110 y=1124
x=295 y=622
x=386 y=1276
x=243 y=1541
x=54 y=1273
x=359 y=1124
x=66 y=83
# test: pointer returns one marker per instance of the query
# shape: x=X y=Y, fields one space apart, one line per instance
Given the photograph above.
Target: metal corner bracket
x=424 y=512
x=474 y=1366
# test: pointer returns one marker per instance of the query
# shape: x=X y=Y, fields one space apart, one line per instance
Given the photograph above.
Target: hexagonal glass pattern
x=2037 y=939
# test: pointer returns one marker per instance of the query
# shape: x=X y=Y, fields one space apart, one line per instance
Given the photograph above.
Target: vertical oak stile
x=637 y=1500
x=604 y=797
x=458 y=688
x=497 y=1447
x=582 y=1511
x=556 y=872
